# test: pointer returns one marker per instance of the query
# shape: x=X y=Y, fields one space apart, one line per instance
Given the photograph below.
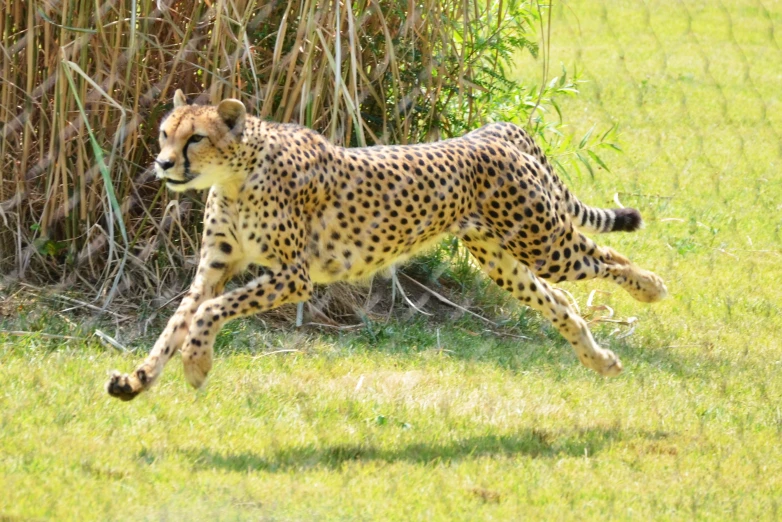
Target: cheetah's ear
x=179 y=99
x=232 y=112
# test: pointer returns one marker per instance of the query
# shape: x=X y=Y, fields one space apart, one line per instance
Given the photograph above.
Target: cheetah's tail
x=598 y=220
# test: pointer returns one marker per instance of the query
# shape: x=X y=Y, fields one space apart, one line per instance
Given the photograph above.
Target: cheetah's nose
x=165 y=164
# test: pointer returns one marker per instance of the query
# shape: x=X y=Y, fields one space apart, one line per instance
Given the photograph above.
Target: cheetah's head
x=197 y=144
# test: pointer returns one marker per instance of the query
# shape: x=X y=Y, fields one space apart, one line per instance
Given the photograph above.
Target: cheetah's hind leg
x=643 y=285
x=587 y=260
x=524 y=285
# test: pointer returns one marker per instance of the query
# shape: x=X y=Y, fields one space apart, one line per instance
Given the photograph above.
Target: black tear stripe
x=187 y=160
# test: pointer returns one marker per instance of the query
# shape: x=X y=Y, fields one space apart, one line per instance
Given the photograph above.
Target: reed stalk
x=84 y=85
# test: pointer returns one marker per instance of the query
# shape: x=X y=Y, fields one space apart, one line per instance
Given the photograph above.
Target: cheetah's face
x=197 y=142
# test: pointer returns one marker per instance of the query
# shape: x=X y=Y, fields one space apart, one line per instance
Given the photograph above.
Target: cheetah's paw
x=606 y=363
x=124 y=386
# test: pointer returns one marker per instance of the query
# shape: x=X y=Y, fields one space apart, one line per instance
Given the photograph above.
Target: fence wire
x=691 y=86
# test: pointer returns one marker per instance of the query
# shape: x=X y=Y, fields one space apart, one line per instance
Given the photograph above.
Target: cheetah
x=283 y=197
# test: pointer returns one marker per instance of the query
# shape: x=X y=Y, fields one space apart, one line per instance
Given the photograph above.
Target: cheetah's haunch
x=283 y=197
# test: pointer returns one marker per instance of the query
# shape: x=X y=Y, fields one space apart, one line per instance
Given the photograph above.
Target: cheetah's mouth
x=179 y=185
x=176 y=183
x=171 y=181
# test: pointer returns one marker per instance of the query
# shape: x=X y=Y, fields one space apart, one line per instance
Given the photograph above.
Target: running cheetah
x=283 y=197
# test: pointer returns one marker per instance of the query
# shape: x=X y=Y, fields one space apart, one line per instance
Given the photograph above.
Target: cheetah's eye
x=163 y=133
x=195 y=138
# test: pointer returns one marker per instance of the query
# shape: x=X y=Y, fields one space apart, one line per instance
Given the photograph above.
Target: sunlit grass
x=392 y=423
x=342 y=429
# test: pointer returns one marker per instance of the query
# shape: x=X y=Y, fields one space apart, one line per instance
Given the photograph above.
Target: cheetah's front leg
x=219 y=252
x=290 y=284
x=208 y=281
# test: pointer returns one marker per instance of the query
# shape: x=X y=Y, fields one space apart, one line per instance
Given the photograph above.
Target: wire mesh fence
x=689 y=91
x=691 y=68
x=691 y=86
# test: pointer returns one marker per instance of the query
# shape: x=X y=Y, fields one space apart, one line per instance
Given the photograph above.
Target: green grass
x=389 y=424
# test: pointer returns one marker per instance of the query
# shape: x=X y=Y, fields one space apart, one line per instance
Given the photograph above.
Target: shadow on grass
x=521 y=342
x=534 y=443
x=527 y=343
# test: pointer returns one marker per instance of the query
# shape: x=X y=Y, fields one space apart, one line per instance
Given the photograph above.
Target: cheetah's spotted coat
x=283 y=197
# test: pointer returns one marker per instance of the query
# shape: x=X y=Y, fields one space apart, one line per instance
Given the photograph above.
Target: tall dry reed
x=84 y=84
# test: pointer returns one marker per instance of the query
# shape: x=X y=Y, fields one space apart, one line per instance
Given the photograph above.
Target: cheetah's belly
x=349 y=263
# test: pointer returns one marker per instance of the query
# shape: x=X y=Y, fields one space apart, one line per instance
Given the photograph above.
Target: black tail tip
x=627 y=220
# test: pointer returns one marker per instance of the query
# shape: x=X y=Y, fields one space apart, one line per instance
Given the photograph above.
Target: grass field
x=414 y=421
